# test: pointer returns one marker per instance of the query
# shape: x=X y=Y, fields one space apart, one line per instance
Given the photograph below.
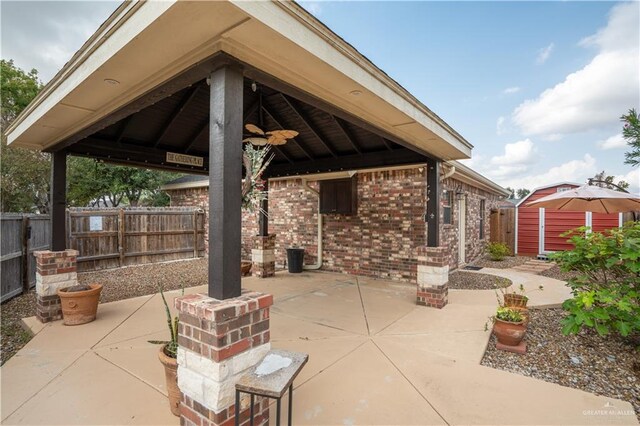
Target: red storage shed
x=538 y=230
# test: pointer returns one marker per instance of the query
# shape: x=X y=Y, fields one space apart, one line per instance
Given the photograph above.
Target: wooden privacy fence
x=110 y=238
x=503 y=224
x=105 y=238
x=20 y=236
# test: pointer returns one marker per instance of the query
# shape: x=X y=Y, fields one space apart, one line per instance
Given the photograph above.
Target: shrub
x=606 y=290
x=498 y=251
x=509 y=314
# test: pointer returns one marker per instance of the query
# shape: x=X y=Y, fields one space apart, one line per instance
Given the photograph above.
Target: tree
x=512 y=193
x=603 y=181
x=522 y=192
x=25 y=174
x=631 y=133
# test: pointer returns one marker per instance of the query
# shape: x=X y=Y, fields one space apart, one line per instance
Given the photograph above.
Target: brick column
x=263 y=256
x=218 y=341
x=54 y=270
x=433 y=276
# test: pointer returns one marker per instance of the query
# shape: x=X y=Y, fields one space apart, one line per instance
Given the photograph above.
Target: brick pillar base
x=263 y=256
x=433 y=277
x=54 y=270
x=219 y=340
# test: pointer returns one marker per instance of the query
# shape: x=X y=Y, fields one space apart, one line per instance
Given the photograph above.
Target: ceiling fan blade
x=256 y=141
x=254 y=129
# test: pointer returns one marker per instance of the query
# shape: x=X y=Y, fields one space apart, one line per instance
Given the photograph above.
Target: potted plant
x=508 y=326
x=79 y=303
x=168 y=355
x=518 y=298
x=255 y=162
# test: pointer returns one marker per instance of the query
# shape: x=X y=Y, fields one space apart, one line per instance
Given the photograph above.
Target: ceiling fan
x=273 y=137
x=259 y=137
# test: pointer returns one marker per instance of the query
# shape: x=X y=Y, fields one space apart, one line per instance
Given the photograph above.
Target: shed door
x=556 y=223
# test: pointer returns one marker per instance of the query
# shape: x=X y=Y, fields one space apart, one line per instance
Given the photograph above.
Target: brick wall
x=380 y=241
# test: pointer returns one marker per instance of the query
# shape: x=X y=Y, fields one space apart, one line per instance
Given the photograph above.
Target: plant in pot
x=518 y=298
x=255 y=162
x=508 y=326
x=79 y=303
x=168 y=356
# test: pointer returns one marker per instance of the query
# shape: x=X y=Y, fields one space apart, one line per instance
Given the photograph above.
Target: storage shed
x=538 y=230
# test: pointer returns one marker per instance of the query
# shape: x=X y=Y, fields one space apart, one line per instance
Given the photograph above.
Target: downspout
x=318 y=263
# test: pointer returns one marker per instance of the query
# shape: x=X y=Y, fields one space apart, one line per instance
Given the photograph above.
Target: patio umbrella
x=589 y=198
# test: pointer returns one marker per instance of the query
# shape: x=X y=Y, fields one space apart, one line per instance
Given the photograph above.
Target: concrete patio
x=375 y=358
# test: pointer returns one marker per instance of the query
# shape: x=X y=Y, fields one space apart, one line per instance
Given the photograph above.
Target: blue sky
x=536 y=87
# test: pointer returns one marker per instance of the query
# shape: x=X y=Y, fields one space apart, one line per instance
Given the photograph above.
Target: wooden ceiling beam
x=188 y=97
x=347 y=134
x=278 y=122
x=386 y=143
x=123 y=128
x=308 y=124
x=196 y=135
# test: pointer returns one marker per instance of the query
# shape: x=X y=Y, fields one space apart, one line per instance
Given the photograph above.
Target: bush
x=606 y=290
x=498 y=251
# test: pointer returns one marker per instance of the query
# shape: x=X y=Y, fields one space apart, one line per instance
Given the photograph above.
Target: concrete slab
x=285 y=327
x=385 y=305
x=32 y=325
x=95 y=392
x=467 y=393
x=362 y=388
x=336 y=306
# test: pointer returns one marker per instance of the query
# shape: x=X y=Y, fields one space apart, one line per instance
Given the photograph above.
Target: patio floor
x=375 y=358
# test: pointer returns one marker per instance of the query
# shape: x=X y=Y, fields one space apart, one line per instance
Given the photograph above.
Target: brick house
x=382 y=238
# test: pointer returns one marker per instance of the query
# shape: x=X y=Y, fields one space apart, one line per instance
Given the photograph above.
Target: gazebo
x=170 y=84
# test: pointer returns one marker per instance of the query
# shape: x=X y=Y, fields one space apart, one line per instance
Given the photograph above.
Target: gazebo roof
x=137 y=90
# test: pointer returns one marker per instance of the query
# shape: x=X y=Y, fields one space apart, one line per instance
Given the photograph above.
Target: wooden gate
x=21 y=236
x=502 y=222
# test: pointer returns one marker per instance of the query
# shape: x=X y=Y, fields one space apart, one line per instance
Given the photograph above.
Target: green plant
x=498 y=251
x=606 y=293
x=171 y=348
x=255 y=161
x=504 y=313
x=520 y=291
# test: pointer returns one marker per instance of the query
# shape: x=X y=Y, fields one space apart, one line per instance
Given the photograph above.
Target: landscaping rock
x=462 y=280
x=507 y=262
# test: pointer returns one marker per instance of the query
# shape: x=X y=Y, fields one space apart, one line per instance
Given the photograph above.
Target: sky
x=536 y=87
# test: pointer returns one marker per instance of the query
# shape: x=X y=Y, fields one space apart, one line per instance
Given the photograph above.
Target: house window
x=482 y=218
x=447 y=202
x=563 y=188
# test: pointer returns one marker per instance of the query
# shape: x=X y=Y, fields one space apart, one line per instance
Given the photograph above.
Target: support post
x=433 y=203
x=58 y=200
x=225 y=180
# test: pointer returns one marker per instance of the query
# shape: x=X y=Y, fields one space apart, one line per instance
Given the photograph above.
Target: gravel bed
x=555 y=272
x=607 y=366
x=119 y=284
x=507 y=262
x=462 y=280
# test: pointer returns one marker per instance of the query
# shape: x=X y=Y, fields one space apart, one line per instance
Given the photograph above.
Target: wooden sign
x=189 y=160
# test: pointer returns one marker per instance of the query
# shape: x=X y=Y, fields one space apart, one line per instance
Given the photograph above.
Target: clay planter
x=171 y=376
x=515 y=300
x=79 y=307
x=509 y=333
x=245 y=267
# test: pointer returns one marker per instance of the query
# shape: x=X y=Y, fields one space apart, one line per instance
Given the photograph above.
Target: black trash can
x=295 y=259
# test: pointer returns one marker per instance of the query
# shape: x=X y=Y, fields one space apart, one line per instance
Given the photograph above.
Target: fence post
x=25 y=253
x=121 y=240
x=195 y=234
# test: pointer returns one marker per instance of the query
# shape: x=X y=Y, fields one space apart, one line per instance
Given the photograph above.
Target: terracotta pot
x=509 y=333
x=515 y=300
x=245 y=267
x=79 y=307
x=171 y=376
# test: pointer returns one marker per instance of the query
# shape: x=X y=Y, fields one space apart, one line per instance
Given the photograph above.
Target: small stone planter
x=171 y=376
x=79 y=307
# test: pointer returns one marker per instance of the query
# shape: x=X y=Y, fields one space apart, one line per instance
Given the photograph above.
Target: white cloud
x=511 y=90
x=613 y=142
x=544 y=53
x=518 y=158
x=633 y=178
x=571 y=171
x=595 y=95
x=500 y=125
